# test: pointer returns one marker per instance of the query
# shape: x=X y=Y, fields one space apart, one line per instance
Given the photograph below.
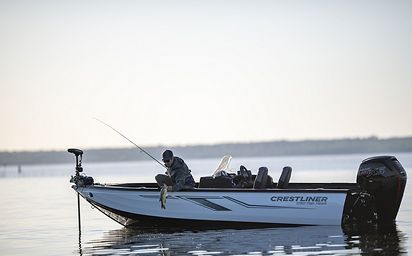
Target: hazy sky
x=195 y=72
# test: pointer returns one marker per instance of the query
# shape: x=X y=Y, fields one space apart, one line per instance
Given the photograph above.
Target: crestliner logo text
x=301 y=199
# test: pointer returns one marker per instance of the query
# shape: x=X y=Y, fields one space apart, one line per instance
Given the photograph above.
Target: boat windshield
x=223 y=166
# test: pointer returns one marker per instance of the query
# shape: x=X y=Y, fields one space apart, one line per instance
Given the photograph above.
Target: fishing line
x=141 y=149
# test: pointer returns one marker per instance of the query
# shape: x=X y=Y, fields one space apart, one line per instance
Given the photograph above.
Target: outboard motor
x=384 y=178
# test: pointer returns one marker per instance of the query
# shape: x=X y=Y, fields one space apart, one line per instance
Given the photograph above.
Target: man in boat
x=178 y=176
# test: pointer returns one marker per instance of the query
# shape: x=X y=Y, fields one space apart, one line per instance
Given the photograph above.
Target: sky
x=202 y=72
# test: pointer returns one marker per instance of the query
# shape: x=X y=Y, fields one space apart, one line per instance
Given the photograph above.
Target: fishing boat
x=244 y=199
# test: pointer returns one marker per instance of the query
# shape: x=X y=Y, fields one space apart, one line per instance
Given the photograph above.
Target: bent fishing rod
x=141 y=149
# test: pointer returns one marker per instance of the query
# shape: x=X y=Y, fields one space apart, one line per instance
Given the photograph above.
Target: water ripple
x=270 y=241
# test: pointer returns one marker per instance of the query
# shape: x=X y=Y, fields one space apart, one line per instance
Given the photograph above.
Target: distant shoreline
x=264 y=149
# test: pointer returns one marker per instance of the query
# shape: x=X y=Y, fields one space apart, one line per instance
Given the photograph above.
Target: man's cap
x=167 y=155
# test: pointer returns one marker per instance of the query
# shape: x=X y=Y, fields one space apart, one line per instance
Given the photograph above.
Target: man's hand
x=167 y=172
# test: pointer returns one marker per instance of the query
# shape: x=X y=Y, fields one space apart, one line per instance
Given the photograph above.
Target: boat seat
x=285 y=177
x=261 y=178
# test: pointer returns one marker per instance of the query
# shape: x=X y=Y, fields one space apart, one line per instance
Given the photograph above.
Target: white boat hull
x=274 y=206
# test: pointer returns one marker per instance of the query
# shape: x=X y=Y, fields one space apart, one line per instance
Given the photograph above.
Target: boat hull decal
x=262 y=206
x=206 y=203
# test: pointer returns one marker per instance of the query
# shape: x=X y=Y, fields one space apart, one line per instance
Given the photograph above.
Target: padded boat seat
x=285 y=177
x=262 y=180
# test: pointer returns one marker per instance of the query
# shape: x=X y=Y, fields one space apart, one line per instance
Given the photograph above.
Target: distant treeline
x=274 y=148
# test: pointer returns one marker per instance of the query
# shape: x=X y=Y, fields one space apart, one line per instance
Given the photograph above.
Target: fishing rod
x=141 y=149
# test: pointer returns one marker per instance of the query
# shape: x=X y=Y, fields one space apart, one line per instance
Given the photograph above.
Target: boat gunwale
x=227 y=190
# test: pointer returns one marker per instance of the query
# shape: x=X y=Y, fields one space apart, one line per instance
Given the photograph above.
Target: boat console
x=242 y=179
x=245 y=179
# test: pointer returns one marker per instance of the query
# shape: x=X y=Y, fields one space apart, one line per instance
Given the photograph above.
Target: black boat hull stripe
x=206 y=203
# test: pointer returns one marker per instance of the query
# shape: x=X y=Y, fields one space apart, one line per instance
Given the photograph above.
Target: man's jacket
x=180 y=174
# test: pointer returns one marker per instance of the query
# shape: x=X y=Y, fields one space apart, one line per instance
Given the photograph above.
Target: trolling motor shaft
x=78 y=180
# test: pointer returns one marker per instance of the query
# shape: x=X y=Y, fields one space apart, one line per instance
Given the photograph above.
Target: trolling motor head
x=79 y=180
x=77 y=153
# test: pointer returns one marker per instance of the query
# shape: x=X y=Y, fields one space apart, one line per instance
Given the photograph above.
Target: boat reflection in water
x=313 y=240
x=376 y=239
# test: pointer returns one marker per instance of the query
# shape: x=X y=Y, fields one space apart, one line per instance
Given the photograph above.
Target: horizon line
x=211 y=144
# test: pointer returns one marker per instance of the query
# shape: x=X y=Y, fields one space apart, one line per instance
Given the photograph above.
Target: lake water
x=38 y=214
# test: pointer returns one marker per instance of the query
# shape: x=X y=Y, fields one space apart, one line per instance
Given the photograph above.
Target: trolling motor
x=78 y=179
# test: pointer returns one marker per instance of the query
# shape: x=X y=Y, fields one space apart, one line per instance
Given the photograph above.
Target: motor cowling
x=384 y=178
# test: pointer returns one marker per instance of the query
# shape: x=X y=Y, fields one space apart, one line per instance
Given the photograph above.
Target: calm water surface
x=38 y=215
